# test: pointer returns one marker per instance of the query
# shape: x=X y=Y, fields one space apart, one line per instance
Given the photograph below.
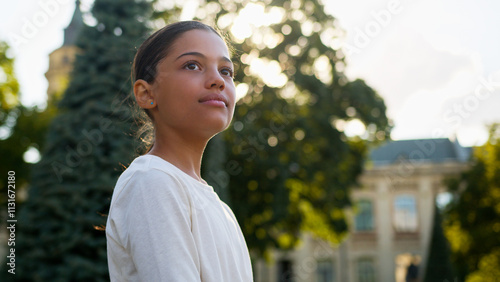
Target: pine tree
x=439 y=266
x=290 y=165
x=87 y=146
x=213 y=168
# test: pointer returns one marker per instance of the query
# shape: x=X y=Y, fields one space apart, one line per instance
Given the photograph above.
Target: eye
x=227 y=72
x=191 y=66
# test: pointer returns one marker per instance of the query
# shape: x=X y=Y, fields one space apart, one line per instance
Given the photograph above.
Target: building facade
x=61 y=60
x=391 y=219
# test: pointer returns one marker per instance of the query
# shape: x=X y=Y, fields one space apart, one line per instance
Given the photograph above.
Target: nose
x=215 y=80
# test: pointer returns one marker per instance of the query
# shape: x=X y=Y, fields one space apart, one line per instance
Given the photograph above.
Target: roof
x=74 y=27
x=436 y=150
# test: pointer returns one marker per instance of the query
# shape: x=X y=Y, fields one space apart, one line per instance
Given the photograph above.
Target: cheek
x=231 y=90
x=170 y=93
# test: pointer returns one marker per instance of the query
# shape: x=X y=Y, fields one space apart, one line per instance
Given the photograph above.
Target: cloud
x=479 y=105
x=463 y=107
x=427 y=63
x=403 y=63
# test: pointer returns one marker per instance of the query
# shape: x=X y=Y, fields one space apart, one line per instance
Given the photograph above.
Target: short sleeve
x=151 y=219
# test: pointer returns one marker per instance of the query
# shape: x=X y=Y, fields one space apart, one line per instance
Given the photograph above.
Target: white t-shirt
x=163 y=225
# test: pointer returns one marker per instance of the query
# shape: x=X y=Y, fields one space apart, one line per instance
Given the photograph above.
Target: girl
x=165 y=223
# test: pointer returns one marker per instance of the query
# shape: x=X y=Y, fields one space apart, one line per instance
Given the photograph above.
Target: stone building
x=61 y=60
x=391 y=220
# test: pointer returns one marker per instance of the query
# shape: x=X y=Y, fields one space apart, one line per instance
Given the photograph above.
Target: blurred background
x=364 y=145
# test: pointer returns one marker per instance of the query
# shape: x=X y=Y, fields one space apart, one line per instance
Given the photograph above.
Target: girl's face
x=193 y=91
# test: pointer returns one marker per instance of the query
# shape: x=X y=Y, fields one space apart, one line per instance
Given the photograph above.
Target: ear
x=143 y=94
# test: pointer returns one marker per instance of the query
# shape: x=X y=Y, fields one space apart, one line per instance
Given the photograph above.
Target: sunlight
x=266 y=38
x=32 y=155
x=354 y=127
x=307 y=28
x=338 y=124
x=3 y=76
x=289 y=90
x=333 y=37
x=189 y=10
x=323 y=69
x=5 y=132
x=269 y=71
x=252 y=16
x=241 y=90
x=252 y=23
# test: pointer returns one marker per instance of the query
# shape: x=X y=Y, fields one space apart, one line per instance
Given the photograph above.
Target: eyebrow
x=198 y=54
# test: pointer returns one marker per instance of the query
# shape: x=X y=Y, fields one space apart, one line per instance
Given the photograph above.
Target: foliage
x=88 y=143
x=289 y=163
x=487 y=270
x=472 y=225
x=21 y=128
x=27 y=132
x=9 y=87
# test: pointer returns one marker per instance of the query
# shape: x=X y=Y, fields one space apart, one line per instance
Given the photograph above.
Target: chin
x=216 y=127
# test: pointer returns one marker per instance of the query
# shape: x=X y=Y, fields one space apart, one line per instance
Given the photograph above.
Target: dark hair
x=149 y=54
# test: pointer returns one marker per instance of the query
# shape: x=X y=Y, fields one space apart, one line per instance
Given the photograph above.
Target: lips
x=214 y=99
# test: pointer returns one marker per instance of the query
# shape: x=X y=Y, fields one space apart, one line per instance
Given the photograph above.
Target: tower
x=61 y=60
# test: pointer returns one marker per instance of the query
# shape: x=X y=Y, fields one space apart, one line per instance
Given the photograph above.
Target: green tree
x=439 y=266
x=27 y=129
x=289 y=164
x=21 y=129
x=9 y=92
x=88 y=144
x=472 y=221
x=9 y=87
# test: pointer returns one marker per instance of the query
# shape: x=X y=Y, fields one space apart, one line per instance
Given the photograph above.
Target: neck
x=184 y=153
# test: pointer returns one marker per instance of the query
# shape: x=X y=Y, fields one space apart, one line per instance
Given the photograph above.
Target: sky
x=435 y=63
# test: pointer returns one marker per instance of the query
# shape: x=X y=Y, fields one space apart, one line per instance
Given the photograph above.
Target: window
x=366 y=271
x=405 y=213
x=364 y=217
x=324 y=271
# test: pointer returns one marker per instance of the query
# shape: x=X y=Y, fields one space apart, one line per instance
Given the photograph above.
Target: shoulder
x=228 y=210
x=146 y=179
